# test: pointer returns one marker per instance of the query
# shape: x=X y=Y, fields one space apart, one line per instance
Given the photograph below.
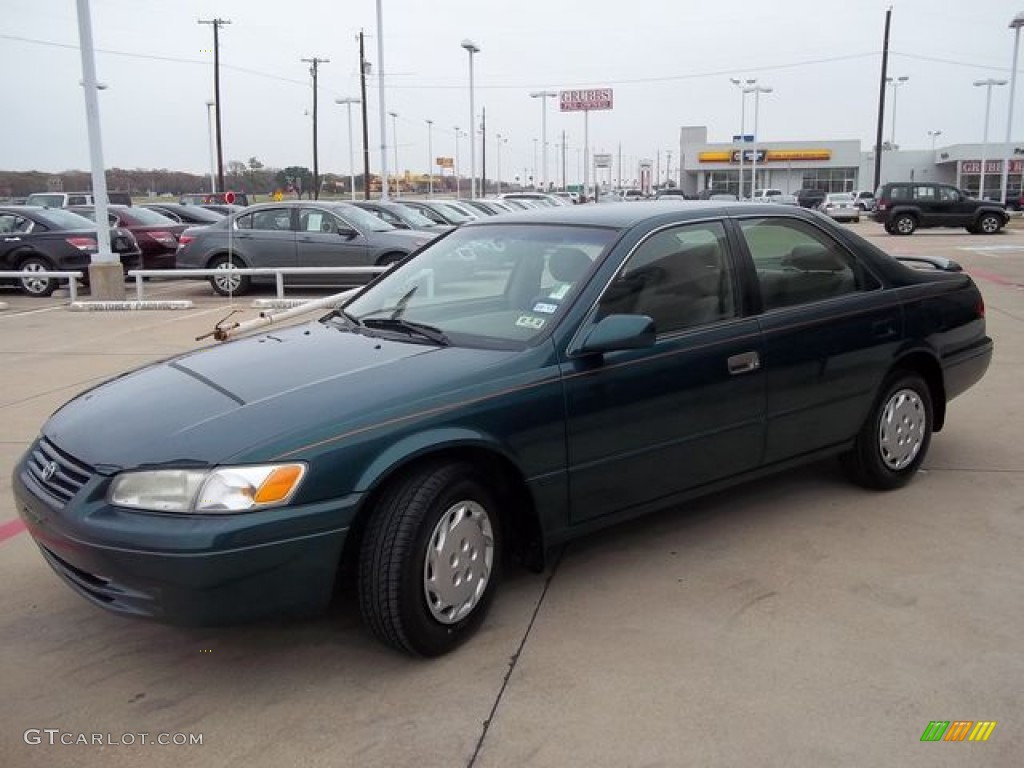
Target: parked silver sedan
x=295 y=234
x=841 y=206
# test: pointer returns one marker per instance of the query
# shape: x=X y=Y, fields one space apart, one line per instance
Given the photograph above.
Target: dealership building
x=839 y=166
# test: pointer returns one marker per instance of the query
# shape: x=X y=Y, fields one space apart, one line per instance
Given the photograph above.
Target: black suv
x=906 y=205
x=810 y=198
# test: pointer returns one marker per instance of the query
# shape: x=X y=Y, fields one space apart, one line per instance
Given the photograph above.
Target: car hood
x=259 y=397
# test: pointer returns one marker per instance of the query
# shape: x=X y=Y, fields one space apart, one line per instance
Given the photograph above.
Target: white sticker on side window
x=547 y=309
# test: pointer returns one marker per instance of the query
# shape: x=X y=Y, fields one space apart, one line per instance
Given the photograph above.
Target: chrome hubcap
x=905 y=225
x=460 y=555
x=35 y=284
x=901 y=430
x=988 y=225
x=227 y=282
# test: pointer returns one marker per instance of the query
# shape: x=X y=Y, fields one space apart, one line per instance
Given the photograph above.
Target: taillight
x=981 y=305
x=882 y=205
x=166 y=239
x=82 y=243
x=184 y=240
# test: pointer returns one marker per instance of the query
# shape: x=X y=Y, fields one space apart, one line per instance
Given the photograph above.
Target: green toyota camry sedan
x=518 y=382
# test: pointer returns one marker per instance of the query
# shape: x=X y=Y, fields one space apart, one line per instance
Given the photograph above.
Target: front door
x=325 y=241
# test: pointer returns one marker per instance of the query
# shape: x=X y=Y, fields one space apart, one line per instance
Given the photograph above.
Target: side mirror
x=347 y=233
x=617 y=332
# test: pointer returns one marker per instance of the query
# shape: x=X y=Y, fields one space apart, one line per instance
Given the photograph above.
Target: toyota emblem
x=50 y=469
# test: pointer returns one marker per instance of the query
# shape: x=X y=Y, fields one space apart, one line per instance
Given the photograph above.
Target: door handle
x=12 y=239
x=883 y=329
x=744 y=363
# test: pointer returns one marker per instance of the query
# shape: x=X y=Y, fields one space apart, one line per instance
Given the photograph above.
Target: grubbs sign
x=585 y=99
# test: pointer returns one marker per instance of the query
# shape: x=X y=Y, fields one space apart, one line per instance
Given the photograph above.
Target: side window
x=432 y=215
x=680 y=277
x=900 y=193
x=244 y=222
x=949 y=195
x=272 y=219
x=315 y=220
x=924 y=193
x=8 y=222
x=798 y=264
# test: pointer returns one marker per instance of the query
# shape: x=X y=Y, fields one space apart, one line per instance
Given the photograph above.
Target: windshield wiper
x=411 y=327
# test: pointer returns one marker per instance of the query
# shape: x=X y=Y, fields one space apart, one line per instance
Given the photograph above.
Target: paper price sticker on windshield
x=525 y=321
x=547 y=309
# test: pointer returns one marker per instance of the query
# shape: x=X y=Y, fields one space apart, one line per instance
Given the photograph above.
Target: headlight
x=223 y=490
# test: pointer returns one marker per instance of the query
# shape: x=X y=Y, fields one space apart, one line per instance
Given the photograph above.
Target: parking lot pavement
x=794 y=621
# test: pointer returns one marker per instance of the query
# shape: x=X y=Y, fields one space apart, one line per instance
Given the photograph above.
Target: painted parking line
x=10 y=529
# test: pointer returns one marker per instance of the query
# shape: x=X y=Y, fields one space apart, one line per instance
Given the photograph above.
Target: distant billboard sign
x=445 y=162
x=585 y=99
x=602 y=160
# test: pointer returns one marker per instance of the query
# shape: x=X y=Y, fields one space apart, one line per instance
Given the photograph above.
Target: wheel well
x=235 y=259
x=523 y=540
x=22 y=256
x=390 y=257
x=926 y=366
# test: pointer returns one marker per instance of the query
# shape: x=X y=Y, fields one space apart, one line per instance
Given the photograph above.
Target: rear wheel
x=989 y=224
x=227 y=283
x=33 y=284
x=895 y=437
x=904 y=224
x=430 y=559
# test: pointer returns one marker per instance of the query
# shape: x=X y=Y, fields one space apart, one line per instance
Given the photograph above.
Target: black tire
x=972 y=230
x=904 y=224
x=38 y=287
x=888 y=228
x=229 y=285
x=895 y=437
x=398 y=576
x=989 y=224
x=390 y=258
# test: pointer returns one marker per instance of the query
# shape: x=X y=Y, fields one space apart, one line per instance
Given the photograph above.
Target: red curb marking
x=10 y=529
x=991 y=277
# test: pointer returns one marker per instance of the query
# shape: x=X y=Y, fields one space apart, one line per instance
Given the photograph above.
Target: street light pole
x=381 y=106
x=757 y=90
x=895 y=82
x=987 y=85
x=471 y=48
x=544 y=96
x=1015 y=25
x=501 y=140
x=934 y=135
x=213 y=155
x=743 y=85
x=430 y=156
x=349 y=101
x=458 y=184
x=394 y=138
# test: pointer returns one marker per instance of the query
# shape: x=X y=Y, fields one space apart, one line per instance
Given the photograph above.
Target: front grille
x=56 y=472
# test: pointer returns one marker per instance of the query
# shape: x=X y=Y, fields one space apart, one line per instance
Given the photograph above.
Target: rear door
x=266 y=237
x=829 y=334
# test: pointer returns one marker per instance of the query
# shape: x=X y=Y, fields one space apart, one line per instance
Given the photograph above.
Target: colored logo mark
x=958 y=730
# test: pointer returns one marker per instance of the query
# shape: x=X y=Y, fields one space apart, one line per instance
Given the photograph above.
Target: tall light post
x=534 y=180
x=210 y=103
x=471 y=48
x=501 y=140
x=895 y=83
x=349 y=101
x=987 y=85
x=430 y=156
x=380 y=104
x=1015 y=25
x=934 y=135
x=544 y=96
x=458 y=182
x=394 y=139
x=757 y=90
x=743 y=85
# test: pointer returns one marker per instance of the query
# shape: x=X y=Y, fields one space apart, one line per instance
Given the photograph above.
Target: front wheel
x=905 y=224
x=894 y=438
x=430 y=559
x=227 y=283
x=989 y=224
x=34 y=285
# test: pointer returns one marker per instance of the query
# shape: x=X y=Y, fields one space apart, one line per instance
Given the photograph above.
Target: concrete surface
x=796 y=621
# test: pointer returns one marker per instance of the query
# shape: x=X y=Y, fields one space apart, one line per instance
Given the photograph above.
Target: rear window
x=149 y=218
x=53 y=201
x=58 y=218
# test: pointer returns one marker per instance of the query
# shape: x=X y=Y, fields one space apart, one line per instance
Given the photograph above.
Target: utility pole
x=483 y=152
x=217 y=24
x=881 y=99
x=364 y=68
x=314 y=64
x=564 y=150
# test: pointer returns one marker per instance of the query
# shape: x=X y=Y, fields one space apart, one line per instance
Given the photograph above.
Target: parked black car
x=295 y=234
x=809 y=197
x=34 y=239
x=905 y=206
x=400 y=216
x=196 y=215
x=438 y=425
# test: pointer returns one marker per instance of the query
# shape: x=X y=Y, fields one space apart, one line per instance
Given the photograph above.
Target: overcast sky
x=668 y=61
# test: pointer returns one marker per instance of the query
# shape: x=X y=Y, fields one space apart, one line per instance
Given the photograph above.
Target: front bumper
x=187 y=569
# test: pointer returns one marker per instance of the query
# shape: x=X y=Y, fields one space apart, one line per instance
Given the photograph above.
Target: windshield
x=58 y=218
x=54 y=201
x=149 y=218
x=362 y=220
x=497 y=285
x=452 y=213
x=414 y=217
